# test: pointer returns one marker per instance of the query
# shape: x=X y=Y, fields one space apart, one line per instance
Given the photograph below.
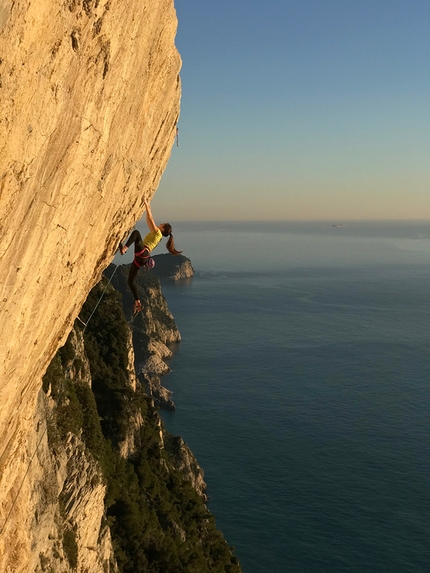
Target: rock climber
x=143 y=249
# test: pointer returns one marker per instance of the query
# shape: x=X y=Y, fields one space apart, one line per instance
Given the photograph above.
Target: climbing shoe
x=137 y=307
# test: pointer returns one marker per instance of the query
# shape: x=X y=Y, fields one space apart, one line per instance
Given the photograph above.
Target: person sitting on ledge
x=143 y=248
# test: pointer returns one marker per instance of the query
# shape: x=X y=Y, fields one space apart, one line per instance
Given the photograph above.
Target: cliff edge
x=89 y=93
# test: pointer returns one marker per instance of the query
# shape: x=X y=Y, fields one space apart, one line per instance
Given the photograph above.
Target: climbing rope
x=98 y=302
x=103 y=293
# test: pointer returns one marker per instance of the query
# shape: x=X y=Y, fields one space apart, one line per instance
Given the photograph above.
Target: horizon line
x=334 y=220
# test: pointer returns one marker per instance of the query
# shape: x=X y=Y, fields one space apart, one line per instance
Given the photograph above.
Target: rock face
x=187 y=463
x=67 y=528
x=89 y=93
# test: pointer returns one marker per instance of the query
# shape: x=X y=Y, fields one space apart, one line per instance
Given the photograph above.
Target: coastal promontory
x=172 y=268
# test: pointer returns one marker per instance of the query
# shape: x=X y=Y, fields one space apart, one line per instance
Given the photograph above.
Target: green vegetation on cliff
x=158 y=522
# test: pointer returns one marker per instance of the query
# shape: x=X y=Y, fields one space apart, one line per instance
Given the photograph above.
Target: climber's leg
x=131 y=280
x=135 y=238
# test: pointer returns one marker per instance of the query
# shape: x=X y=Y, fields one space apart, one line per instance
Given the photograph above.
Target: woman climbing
x=143 y=248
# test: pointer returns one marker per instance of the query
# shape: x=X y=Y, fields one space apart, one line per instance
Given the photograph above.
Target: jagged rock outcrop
x=186 y=463
x=172 y=268
x=89 y=93
x=150 y=371
x=154 y=330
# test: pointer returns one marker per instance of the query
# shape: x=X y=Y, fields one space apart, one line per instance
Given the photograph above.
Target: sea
x=302 y=385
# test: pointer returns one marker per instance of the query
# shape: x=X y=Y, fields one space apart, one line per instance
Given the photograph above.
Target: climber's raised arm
x=149 y=218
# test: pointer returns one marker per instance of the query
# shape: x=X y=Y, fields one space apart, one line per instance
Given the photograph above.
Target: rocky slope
x=89 y=93
x=116 y=492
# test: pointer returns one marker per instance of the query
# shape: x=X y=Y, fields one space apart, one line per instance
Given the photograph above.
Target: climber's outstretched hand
x=149 y=218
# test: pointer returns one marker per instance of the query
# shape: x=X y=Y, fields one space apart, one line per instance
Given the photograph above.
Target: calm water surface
x=302 y=386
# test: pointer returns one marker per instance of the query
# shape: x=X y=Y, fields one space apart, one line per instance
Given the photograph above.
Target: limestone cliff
x=89 y=93
x=69 y=530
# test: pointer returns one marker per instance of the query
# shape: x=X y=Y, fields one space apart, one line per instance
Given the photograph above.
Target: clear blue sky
x=301 y=109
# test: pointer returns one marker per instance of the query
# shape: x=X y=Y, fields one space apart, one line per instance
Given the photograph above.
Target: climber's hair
x=167 y=232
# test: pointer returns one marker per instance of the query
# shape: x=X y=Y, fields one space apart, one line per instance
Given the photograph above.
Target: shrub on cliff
x=106 y=345
x=158 y=522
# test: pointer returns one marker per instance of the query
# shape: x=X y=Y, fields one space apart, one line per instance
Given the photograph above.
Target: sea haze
x=302 y=386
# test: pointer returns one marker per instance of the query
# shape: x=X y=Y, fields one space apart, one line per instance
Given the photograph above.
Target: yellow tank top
x=152 y=239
